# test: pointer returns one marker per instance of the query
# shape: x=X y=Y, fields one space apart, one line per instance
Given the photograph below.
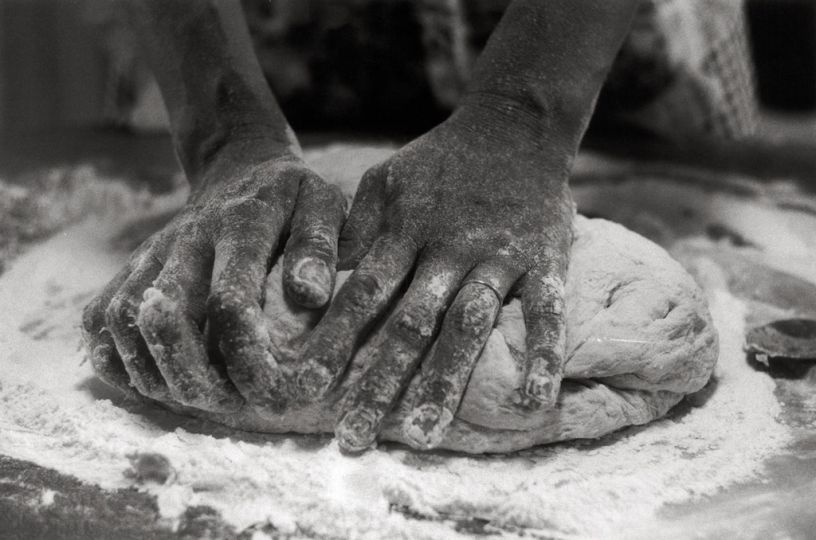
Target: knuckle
x=223 y=303
x=413 y=324
x=363 y=292
x=550 y=310
x=320 y=205
x=282 y=187
x=313 y=238
x=312 y=181
x=93 y=316
x=279 y=179
x=547 y=300
x=121 y=312
x=235 y=320
x=473 y=316
x=245 y=208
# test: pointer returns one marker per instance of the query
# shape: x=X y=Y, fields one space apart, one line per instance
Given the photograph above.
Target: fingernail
x=542 y=389
x=425 y=426
x=314 y=381
x=311 y=282
x=356 y=431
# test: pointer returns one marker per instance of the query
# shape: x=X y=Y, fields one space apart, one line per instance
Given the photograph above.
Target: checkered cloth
x=684 y=69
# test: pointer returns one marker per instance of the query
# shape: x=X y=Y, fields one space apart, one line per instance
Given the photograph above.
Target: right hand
x=458 y=218
x=183 y=323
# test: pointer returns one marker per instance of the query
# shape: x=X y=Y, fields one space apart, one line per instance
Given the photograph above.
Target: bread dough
x=639 y=337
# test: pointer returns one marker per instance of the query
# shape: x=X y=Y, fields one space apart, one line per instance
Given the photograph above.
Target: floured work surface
x=54 y=413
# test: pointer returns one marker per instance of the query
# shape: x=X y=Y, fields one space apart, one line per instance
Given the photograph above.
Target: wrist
x=546 y=62
x=545 y=135
x=549 y=120
x=213 y=152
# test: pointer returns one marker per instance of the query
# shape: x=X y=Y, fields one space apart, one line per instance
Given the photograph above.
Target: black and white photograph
x=394 y=269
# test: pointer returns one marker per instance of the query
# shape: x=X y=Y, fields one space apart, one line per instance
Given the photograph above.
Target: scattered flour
x=51 y=413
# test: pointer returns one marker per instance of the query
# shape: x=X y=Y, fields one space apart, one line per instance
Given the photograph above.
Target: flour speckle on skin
x=47 y=497
x=438 y=284
x=54 y=413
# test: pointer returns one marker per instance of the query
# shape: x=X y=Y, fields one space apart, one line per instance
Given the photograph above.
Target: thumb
x=365 y=219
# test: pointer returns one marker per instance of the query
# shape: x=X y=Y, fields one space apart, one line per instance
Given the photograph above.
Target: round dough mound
x=639 y=337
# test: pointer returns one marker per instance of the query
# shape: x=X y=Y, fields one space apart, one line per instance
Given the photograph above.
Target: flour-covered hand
x=441 y=232
x=463 y=214
x=183 y=321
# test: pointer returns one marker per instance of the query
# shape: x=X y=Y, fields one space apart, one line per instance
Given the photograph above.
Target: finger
x=170 y=318
x=237 y=323
x=365 y=219
x=362 y=299
x=400 y=346
x=445 y=374
x=545 y=319
x=105 y=359
x=311 y=253
x=121 y=316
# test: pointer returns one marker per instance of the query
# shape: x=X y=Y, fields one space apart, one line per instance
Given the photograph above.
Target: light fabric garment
x=684 y=69
x=686 y=66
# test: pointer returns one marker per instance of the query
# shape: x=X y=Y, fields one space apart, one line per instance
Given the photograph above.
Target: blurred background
x=363 y=66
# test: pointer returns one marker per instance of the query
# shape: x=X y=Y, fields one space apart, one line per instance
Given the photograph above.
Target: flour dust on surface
x=55 y=414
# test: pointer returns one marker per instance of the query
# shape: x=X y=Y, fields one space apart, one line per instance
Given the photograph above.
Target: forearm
x=210 y=79
x=546 y=62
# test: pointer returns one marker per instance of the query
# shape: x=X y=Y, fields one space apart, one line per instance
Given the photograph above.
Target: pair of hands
x=452 y=222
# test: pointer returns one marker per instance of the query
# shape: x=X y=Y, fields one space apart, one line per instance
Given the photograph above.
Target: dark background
x=57 y=70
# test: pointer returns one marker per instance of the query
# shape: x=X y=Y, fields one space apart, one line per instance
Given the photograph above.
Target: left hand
x=455 y=219
x=183 y=322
